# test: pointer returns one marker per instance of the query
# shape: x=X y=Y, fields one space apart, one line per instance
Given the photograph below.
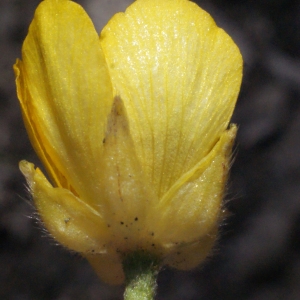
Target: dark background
x=258 y=254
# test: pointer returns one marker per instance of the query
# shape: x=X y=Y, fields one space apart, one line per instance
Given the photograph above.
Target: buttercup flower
x=132 y=128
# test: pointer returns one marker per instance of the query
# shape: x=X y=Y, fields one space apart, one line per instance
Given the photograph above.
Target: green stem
x=141 y=270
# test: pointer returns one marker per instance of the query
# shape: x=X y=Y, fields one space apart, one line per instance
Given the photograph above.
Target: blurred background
x=258 y=254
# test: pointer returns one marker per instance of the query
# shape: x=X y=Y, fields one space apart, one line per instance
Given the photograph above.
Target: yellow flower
x=132 y=129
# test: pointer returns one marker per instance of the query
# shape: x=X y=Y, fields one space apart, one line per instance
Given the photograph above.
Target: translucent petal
x=126 y=195
x=70 y=221
x=193 y=204
x=178 y=75
x=65 y=94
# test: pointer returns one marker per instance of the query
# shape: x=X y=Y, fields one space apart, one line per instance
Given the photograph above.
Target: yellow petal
x=65 y=94
x=69 y=220
x=108 y=267
x=178 y=75
x=36 y=140
x=193 y=204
